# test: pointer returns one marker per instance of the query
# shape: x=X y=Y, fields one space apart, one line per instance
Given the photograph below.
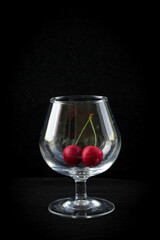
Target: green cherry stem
x=81 y=132
x=89 y=120
x=95 y=137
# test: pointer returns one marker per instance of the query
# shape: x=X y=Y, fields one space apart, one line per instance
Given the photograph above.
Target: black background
x=61 y=51
x=78 y=52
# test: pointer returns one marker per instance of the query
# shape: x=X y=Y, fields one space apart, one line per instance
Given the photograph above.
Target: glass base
x=88 y=208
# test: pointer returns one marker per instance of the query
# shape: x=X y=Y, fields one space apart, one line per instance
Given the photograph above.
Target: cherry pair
x=90 y=156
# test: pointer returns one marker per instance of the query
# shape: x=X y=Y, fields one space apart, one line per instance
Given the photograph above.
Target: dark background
x=61 y=51
x=78 y=52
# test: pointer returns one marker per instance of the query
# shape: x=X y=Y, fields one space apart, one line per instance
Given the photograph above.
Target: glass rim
x=78 y=98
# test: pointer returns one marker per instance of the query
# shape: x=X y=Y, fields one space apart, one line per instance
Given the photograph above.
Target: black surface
x=28 y=215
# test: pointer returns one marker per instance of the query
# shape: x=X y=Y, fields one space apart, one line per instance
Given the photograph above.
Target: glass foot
x=88 y=208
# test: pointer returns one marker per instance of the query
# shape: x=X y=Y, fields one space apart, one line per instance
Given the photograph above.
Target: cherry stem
x=95 y=137
x=89 y=120
x=81 y=132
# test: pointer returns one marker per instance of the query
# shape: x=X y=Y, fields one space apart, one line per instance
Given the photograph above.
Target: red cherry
x=72 y=155
x=92 y=156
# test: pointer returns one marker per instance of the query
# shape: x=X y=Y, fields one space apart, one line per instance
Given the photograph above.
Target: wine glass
x=80 y=139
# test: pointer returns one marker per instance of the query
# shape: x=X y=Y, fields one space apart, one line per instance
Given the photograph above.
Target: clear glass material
x=87 y=123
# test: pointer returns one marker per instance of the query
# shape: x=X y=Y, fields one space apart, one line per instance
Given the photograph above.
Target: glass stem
x=80 y=190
